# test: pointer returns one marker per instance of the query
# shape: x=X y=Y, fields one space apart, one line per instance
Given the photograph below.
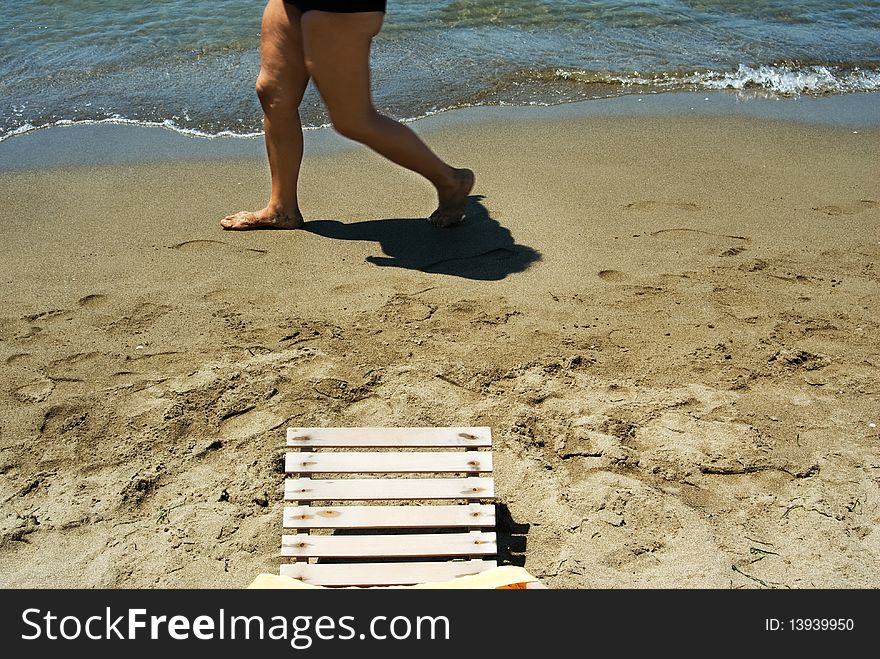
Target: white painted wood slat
x=473 y=523
x=473 y=543
x=382 y=574
x=373 y=489
x=476 y=436
x=381 y=517
x=388 y=462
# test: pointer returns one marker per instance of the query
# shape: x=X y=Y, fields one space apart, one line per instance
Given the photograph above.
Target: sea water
x=191 y=65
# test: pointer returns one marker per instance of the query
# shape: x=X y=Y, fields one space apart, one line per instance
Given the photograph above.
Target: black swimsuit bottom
x=338 y=6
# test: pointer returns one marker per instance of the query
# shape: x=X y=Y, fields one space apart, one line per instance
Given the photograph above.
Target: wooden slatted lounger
x=461 y=500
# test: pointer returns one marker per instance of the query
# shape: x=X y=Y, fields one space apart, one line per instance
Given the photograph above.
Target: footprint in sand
x=81 y=367
x=709 y=240
x=47 y=315
x=641 y=291
x=754 y=266
x=222 y=295
x=650 y=204
x=333 y=388
x=849 y=209
x=152 y=361
x=250 y=424
x=477 y=312
x=745 y=239
x=16 y=329
x=35 y=392
x=18 y=358
x=61 y=418
x=93 y=300
x=407 y=309
x=612 y=275
x=140 y=317
x=212 y=247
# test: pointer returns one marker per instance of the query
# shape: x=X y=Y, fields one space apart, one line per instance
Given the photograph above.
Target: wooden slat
x=382 y=574
x=403 y=437
x=373 y=489
x=388 y=517
x=389 y=462
x=473 y=543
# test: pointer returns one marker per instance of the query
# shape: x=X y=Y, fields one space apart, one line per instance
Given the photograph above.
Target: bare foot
x=263 y=219
x=452 y=203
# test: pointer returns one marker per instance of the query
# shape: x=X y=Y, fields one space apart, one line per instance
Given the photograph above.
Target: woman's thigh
x=282 y=59
x=337 y=55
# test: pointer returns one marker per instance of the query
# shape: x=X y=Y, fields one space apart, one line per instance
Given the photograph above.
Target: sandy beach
x=669 y=321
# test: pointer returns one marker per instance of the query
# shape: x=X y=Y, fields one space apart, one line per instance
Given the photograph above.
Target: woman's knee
x=275 y=95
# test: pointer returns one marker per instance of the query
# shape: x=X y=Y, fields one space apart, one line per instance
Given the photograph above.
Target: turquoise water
x=191 y=64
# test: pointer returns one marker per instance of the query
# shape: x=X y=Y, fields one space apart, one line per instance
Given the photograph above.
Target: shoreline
x=668 y=321
x=107 y=143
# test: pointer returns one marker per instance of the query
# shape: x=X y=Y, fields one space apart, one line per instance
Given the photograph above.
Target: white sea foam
x=168 y=124
x=791 y=81
x=24 y=128
x=777 y=79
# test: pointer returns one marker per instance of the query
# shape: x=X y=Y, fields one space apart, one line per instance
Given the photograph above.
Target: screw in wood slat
x=329 y=513
x=467 y=435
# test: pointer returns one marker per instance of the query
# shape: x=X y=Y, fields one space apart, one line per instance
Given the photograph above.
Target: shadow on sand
x=480 y=248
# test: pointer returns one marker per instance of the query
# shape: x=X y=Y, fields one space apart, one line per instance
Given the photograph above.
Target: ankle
x=282 y=210
x=448 y=182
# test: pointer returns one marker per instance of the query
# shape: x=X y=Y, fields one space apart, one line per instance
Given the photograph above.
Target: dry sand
x=670 y=324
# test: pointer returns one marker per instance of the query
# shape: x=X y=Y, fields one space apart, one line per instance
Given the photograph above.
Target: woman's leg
x=337 y=55
x=280 y=87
